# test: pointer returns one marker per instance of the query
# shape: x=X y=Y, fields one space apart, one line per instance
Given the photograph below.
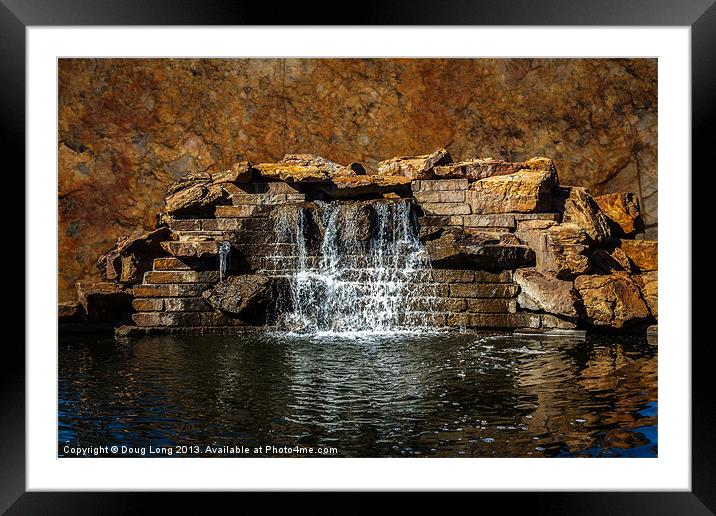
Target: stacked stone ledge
x=510 y=247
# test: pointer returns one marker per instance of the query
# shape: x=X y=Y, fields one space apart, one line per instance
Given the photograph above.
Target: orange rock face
x=128 y=128
x=611 y=300
x=644 y=254
x=623 y=210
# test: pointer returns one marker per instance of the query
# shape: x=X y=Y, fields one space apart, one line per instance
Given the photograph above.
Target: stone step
x=237 y=224
x=199 y=236
x=483 y=290
x=170 y=290
x=245 y=210
x=446 y=208
x=221 y=224
x=184 y=319
x=440 y=196
x=439 y=185
x=278 y=187
x=440 y=221
x=190 y=249
x=184 y=224
x=536 y=216
x=470 y=276
x=171 y=304
x=493 y=321
x=502 y=220
x=471 y=305
x=153 y=277
x=268 y=199
x=210 y=263
x=145 y=304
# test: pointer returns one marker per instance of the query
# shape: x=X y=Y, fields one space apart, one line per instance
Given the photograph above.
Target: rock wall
x=507 y=245
x=128 y=128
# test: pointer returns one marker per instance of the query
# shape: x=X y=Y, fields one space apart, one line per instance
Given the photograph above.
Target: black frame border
x=700 y=15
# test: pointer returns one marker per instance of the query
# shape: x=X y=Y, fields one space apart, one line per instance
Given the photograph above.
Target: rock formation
x=507 y=245
x=239 y=294
x=128 y=128
x=611 y=300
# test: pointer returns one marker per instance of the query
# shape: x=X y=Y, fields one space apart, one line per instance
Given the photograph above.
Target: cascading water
x=224 y=249
x=360 y=267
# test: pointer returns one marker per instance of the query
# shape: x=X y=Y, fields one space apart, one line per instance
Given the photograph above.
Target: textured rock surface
x=523 y=191
x=547 y=292
x=560 y=250
x=482 y=168
x=644 y=254
x=130 y=127
x=474 y=249
x=414 y=167
x=611 y=300
x=605 y=261
x=303 y=168
x=132 y=256
x=581 y=209
x=622 y=209
x=103 y=301
x=239 y=294
x=648 y=283
x=489 y=270
x=196 y=195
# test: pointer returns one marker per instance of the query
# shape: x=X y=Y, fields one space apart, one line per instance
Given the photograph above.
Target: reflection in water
x=445 y=395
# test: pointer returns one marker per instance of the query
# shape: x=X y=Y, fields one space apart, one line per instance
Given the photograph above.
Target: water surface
x=359 y=395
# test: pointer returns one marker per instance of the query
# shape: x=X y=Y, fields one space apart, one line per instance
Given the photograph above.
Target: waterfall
x=224 y=249
x=360 y=267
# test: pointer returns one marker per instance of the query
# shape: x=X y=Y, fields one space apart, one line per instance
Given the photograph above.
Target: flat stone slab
x=129 y=331
x=551 y=332
x=439 y=185
x=244 y=210
x=502 y=220
x=181 y=277
x=190 y=249
x=169 y=290
x=483 y=290
x=446 y=208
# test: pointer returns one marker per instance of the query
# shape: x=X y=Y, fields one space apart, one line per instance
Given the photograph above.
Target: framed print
x=452 y=254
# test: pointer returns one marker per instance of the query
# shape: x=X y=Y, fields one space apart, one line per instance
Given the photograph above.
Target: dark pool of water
x=444 y=395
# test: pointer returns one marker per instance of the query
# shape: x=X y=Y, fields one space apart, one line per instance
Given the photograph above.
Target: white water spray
x=368 y=272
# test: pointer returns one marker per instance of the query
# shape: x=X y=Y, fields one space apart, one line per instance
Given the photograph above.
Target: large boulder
x=612 y=300
x=132 y=256
x=305 y=168
x=197 y=194
x=648 y=283
x=474 y=249
x=623 y=211
x=644 y=254
x=414 y=167
x=481 y=168
x=546 y=293
x=560 y=250
x=104 y=302
x=242 y=295
x=197 y=197
x=578 y=207
x=525 y=191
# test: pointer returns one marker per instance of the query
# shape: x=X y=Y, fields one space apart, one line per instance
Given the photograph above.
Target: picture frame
x=16 y=16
